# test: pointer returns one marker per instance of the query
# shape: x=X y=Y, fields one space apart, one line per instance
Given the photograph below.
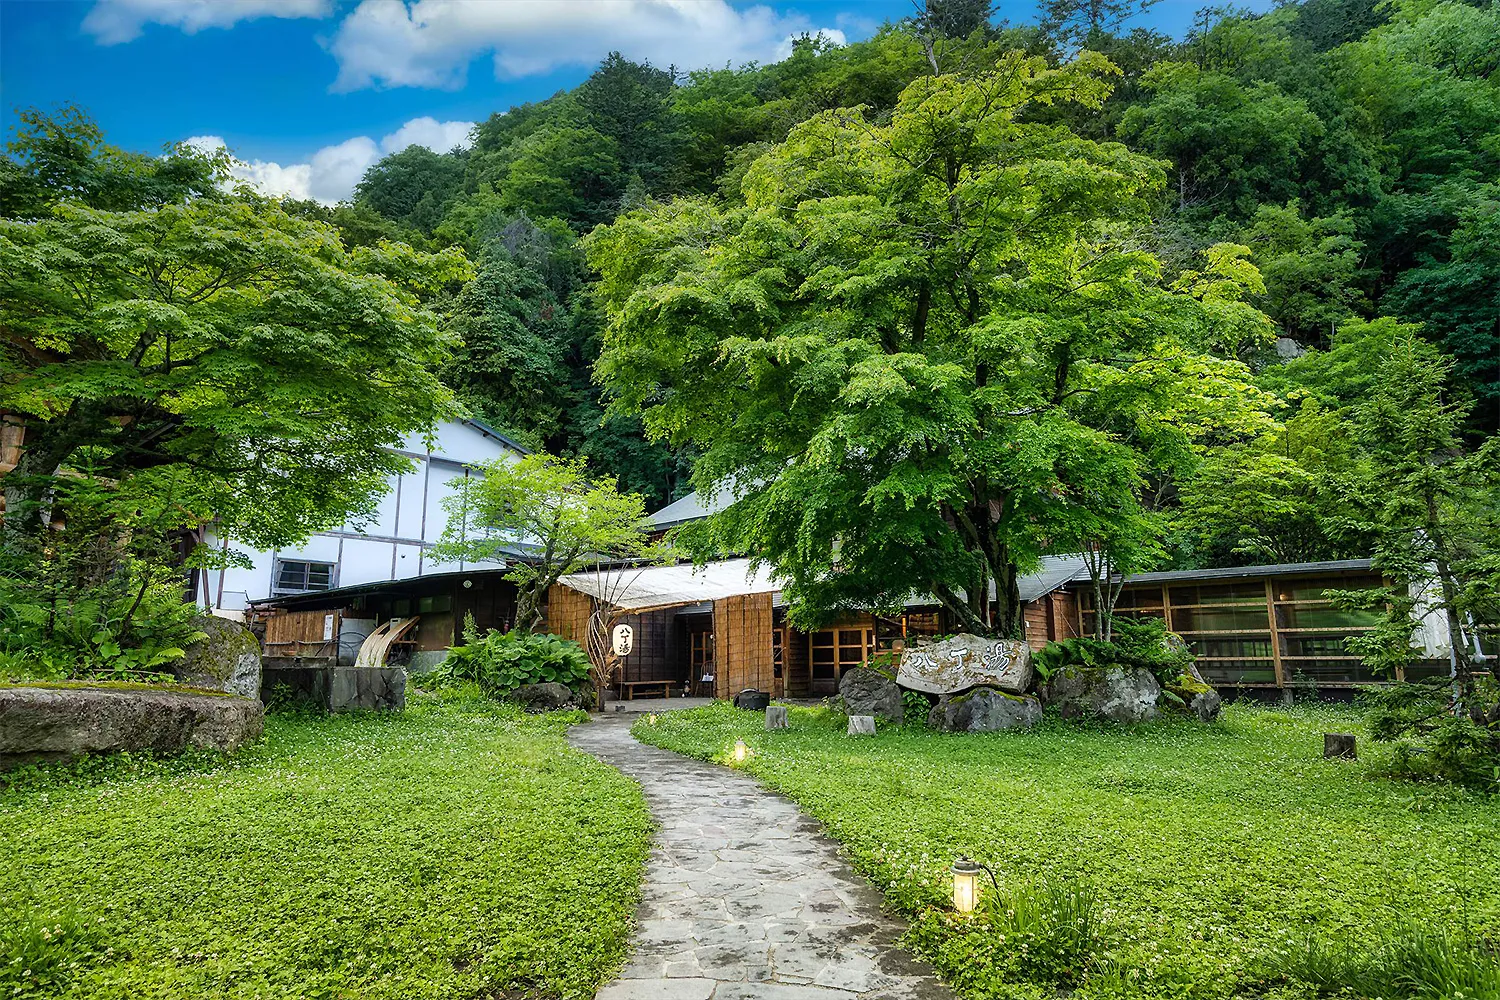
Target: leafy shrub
x=1052 y=926
x=41 y=953
x=500 y=662
x=1435 y=743
x=100 y=592
x=1422 y=963
x=915 y=708
x=1144 y=643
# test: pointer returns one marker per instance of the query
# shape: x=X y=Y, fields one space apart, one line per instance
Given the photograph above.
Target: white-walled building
x=392 y=546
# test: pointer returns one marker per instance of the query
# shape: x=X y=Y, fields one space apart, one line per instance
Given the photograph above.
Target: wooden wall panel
x=300 y=633
x=742 y=644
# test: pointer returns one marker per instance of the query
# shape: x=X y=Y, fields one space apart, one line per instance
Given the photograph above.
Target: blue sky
x=309 y=92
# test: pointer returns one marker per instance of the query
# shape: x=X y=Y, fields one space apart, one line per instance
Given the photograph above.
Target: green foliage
x=62 y=157
x=1053 y=926
x=1422 y=963
x=1136 y=642
x=239 y=385
x=413 y=187
x=915 y=708
x=1435 y=740
x=100 y=593
x=890 y=415
x=1209 y=850
x=458 y=849
x=571 y=519
x=500 y=662
x=41 y=954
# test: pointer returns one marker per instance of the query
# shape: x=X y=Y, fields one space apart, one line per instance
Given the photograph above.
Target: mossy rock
x=226 y=659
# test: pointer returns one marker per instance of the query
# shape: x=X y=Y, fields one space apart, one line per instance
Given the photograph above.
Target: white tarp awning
x=650 y=587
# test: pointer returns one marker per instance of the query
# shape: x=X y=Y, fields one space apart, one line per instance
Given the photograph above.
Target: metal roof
x=689 y=508
x=647 y=588
x=1056 y=571
x=1240 y=572
x=486 y=429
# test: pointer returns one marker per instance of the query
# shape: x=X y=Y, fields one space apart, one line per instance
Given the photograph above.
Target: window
x=302 y=577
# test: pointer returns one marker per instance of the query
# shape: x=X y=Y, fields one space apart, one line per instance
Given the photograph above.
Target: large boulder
x=985 y=710
x=227 y=660
x=956 y=664
x=1118 y=694
x=56 y=723
x=547 y=697
x=870 y=692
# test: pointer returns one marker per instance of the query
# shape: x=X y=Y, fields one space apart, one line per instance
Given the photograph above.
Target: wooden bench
x=627 y=688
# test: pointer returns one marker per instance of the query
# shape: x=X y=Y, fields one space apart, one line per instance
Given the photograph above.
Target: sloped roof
x=649 y=587
x=689 y=508
x=652 y=587
x=1239 y=572
x=1056 y=571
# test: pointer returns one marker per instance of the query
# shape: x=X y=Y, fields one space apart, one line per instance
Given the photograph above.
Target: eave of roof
x=1242 y=572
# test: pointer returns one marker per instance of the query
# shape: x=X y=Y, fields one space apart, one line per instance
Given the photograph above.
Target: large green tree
x=245 y=353
x=923 y=346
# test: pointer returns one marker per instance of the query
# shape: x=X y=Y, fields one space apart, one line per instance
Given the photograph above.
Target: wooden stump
x=861 y=725
x=776 y=717
x=1339 y=745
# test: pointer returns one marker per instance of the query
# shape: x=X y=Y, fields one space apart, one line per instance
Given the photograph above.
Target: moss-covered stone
x=226 y=659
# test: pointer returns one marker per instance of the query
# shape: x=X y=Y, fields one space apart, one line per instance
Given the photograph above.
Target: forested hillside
x=1352 y=146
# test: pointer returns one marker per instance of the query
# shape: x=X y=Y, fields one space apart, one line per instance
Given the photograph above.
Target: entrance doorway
x=833 y=651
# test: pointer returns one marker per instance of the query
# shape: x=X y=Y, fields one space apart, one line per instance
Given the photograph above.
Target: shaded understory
x=454 y=850
x=1214 y=851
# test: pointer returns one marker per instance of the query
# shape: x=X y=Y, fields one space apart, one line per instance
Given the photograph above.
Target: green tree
x=1311 y=269
x=1233 y=146
x=223 y=343
x=1275 y=498
x=1433 y=507
x=63 y=157
x=513 y=366
x=1076 y=20
x=912 y=354
x=631 y=103
x=413 y=187
x=568 y=519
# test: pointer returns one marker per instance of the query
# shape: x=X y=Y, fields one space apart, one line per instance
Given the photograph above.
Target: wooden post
x=1339 y=745
x=776 y=717
x=1275 y=635
x=861 y=725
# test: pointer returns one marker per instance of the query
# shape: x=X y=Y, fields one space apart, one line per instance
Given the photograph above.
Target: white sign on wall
x=327 y=627
x=624 y=640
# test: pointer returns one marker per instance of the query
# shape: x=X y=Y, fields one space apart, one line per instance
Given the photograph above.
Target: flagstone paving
x=745 y=898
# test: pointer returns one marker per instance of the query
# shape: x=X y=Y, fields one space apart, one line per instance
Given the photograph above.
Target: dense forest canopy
x=1352 y=146
x=1276 y=208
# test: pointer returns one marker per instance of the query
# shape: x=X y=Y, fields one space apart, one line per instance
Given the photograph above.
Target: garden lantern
x=965 y=886
x=740 y=751
x=651 y=718
x=966 y=883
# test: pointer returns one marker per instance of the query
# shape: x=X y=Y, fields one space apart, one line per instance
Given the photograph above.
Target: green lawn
x=1210 y=848
x=454 y=850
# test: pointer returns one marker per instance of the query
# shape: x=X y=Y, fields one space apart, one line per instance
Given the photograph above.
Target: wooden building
x=1270 y=627
x=331 y=624
x=716 y=630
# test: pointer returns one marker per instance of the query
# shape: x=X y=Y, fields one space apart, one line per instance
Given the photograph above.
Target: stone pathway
x=745 y=899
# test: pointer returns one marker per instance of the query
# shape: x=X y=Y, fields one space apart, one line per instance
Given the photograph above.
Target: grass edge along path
x=458 y=849
x=1213 y=853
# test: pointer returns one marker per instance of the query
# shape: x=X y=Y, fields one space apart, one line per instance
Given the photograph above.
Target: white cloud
x=430 y=43
x=332 y=172
x=112 y=22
